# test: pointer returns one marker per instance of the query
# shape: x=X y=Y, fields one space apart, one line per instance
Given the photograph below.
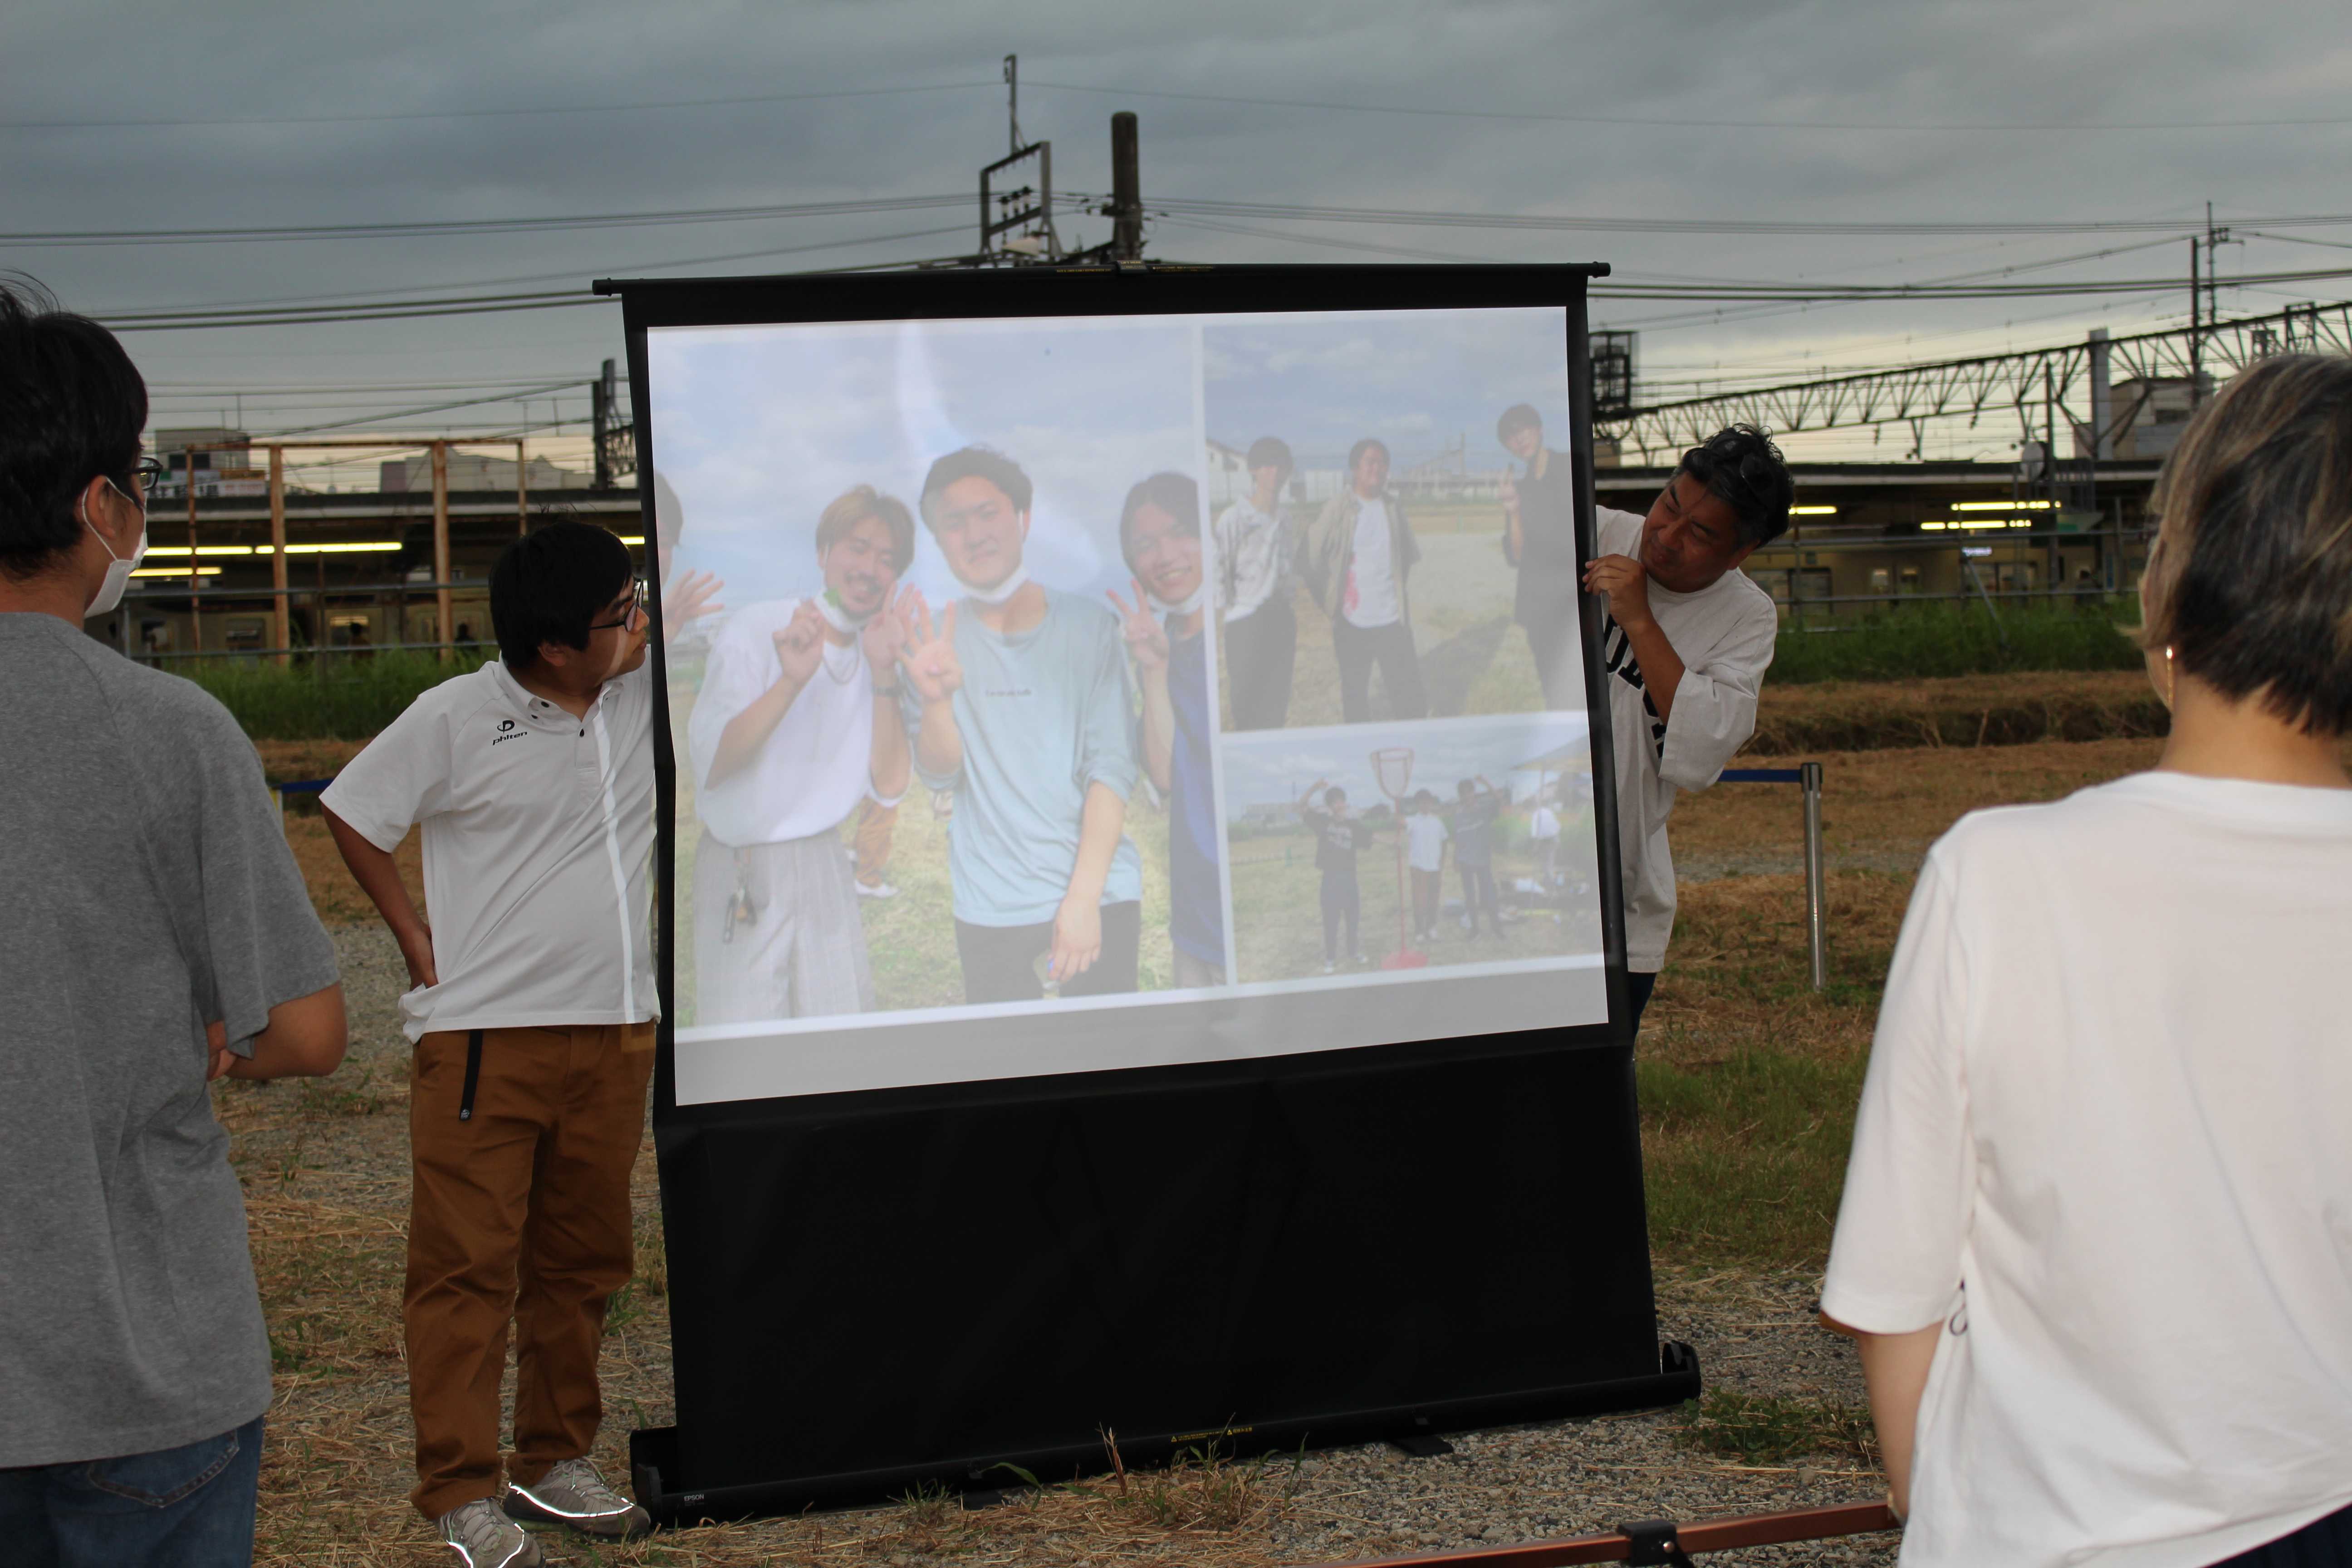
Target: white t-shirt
x=1424 y=841
x=2109 y=1098
x=818 y=761
x=1545 y=824
x=539 y=834
x=1724 y=636
x=1373 y=572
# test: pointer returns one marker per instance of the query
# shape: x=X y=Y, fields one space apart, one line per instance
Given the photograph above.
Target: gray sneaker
x=482 y=1536
x=572 y=1493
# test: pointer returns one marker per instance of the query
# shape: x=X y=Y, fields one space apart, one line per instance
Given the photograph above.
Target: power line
x=488 y=113
x=1673 y=121
x=246 y=235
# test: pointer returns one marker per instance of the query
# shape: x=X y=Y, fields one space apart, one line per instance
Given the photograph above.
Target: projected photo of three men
x=1037 y=635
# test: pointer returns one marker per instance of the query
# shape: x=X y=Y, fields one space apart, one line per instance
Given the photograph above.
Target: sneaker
x=1362 y=960
x=1328 y=966
x=878 y=890
x=482 y=1536
x=572 y=1493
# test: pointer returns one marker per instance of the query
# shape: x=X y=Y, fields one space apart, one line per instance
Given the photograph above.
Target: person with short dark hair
x=1685 y=644
x=1339 y=835
x=1019 y=704
x=1540 y=542
x=1259 y=640
x=2097 y=1238
x=796 y=729
x=1159 y=535
x=156 y=935
x=1359 y=554
x=532 y=1017
x=1471 y=828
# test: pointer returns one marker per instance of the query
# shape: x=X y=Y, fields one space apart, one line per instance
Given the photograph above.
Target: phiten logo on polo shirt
x=506 y=732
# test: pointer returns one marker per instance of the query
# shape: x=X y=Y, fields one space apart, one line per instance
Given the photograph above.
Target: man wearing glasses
x=532 y=1013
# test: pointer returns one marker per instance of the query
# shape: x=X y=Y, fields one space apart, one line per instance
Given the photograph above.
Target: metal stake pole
x=1816 y=880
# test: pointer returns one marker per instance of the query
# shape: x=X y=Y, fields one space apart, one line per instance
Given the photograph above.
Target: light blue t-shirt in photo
x=1042 y=715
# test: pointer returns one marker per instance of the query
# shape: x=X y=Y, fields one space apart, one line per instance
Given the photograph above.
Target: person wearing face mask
x=797 y=727
x=1686 y=643
x=1019 y=704
x=532 y=1013
x=157 y=934
x=1160 y=534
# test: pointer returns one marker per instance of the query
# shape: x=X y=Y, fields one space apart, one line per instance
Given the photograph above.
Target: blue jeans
x=189 y=1507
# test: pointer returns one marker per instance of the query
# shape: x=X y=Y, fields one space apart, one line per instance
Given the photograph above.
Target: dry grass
x=1959 y=710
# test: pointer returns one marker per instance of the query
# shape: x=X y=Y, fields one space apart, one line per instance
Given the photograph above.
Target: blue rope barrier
x=302 y=787
x=1763 y=776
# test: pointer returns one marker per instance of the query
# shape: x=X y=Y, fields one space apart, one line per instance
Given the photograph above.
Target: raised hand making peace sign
x=800 y=644
x=928 y=654
x=1147 y=639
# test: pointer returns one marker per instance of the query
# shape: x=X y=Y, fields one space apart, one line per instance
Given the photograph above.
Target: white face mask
x=118 y=568
x=837 y=618
x=1015 y=581
x=1190 y=602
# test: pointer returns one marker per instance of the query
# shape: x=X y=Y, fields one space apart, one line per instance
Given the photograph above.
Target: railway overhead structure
x=2037 y=387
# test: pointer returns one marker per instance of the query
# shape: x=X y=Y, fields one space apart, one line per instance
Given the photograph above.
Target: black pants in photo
x=1478 y=892
x=1000 y=963
x=1554 y=642
x=1342 y=903
x=1390 y=646
x=1260 y=650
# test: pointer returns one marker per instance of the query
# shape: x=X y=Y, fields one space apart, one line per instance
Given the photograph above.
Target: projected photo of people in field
x=1391 y=503
x=951 y=744
x=1363 y=849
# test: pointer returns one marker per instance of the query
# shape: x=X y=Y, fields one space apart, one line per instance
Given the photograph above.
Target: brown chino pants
x=520 y=1215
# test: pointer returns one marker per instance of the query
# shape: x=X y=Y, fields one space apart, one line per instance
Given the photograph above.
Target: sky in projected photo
x=1279 y=765
x=1420 y=381
x=758 y=427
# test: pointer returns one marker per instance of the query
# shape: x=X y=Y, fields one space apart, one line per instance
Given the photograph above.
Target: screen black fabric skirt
x=2324 y=1542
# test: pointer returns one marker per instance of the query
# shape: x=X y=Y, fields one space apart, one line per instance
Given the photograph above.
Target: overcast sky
x=1651 y=75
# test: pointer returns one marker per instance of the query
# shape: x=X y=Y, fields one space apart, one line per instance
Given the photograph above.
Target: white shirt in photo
x=1424 y=841
x=2104 y=1141
x=538 y=833
x=816 y=764
x=1373 y=571
x=1723 y=634
x=1545 y=824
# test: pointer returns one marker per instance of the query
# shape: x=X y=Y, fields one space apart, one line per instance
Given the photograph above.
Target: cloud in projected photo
x=758 y=427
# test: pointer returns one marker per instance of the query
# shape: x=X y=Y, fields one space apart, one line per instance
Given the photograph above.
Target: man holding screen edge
x=1020 y=703
x=532 y=1015
x=1685 y=644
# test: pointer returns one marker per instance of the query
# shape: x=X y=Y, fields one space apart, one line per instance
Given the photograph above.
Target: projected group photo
x=952 y=740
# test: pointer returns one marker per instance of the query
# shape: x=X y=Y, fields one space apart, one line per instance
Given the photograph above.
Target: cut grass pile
x=1944 y=639
x=2009 y=709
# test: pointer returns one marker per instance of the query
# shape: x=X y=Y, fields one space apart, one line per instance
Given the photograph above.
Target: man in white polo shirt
x=533 y=1015
x=798 y=721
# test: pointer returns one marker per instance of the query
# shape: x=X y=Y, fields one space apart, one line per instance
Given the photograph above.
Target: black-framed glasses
x=642 y=596
x=149 y=472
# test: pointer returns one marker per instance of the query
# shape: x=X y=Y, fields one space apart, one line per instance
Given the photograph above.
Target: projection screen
x=1078 y=693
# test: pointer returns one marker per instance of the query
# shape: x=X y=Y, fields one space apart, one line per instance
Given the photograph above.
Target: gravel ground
x=1755 y=1334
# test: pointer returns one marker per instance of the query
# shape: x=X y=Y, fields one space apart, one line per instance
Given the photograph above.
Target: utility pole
x=2196 y=326
x=1126 y=189
x=1012 y=103
x=599 y=421
x=2199 y=323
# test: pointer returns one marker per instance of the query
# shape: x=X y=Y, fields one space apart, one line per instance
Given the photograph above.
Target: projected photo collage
x=1047 y=662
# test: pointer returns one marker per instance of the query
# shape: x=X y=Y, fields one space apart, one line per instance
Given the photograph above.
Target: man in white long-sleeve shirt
x=1685 y=644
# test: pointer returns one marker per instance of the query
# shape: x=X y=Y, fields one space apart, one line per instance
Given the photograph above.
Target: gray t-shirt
x=149 y=889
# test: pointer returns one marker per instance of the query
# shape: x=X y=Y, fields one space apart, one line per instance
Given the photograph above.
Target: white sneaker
x=878 y=890
x=1362 y=960
x=1328 y=966
x=572 y=1493
x=482 y=1536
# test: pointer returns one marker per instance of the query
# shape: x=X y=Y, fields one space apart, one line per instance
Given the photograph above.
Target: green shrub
x=332 y=696
x=1921 y=641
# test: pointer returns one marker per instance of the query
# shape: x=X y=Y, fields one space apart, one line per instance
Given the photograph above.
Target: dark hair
x=1742 y=469
x=1356 y=453
x=71 y=408
x=550 y=583
x=1463 y=786
x=1269 y=451
x=1172 y=493
x=670 y=512
x=2250 y=580
x=1334 y=796
x=1517 y=418
x=852 y=507
x=976 y=463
